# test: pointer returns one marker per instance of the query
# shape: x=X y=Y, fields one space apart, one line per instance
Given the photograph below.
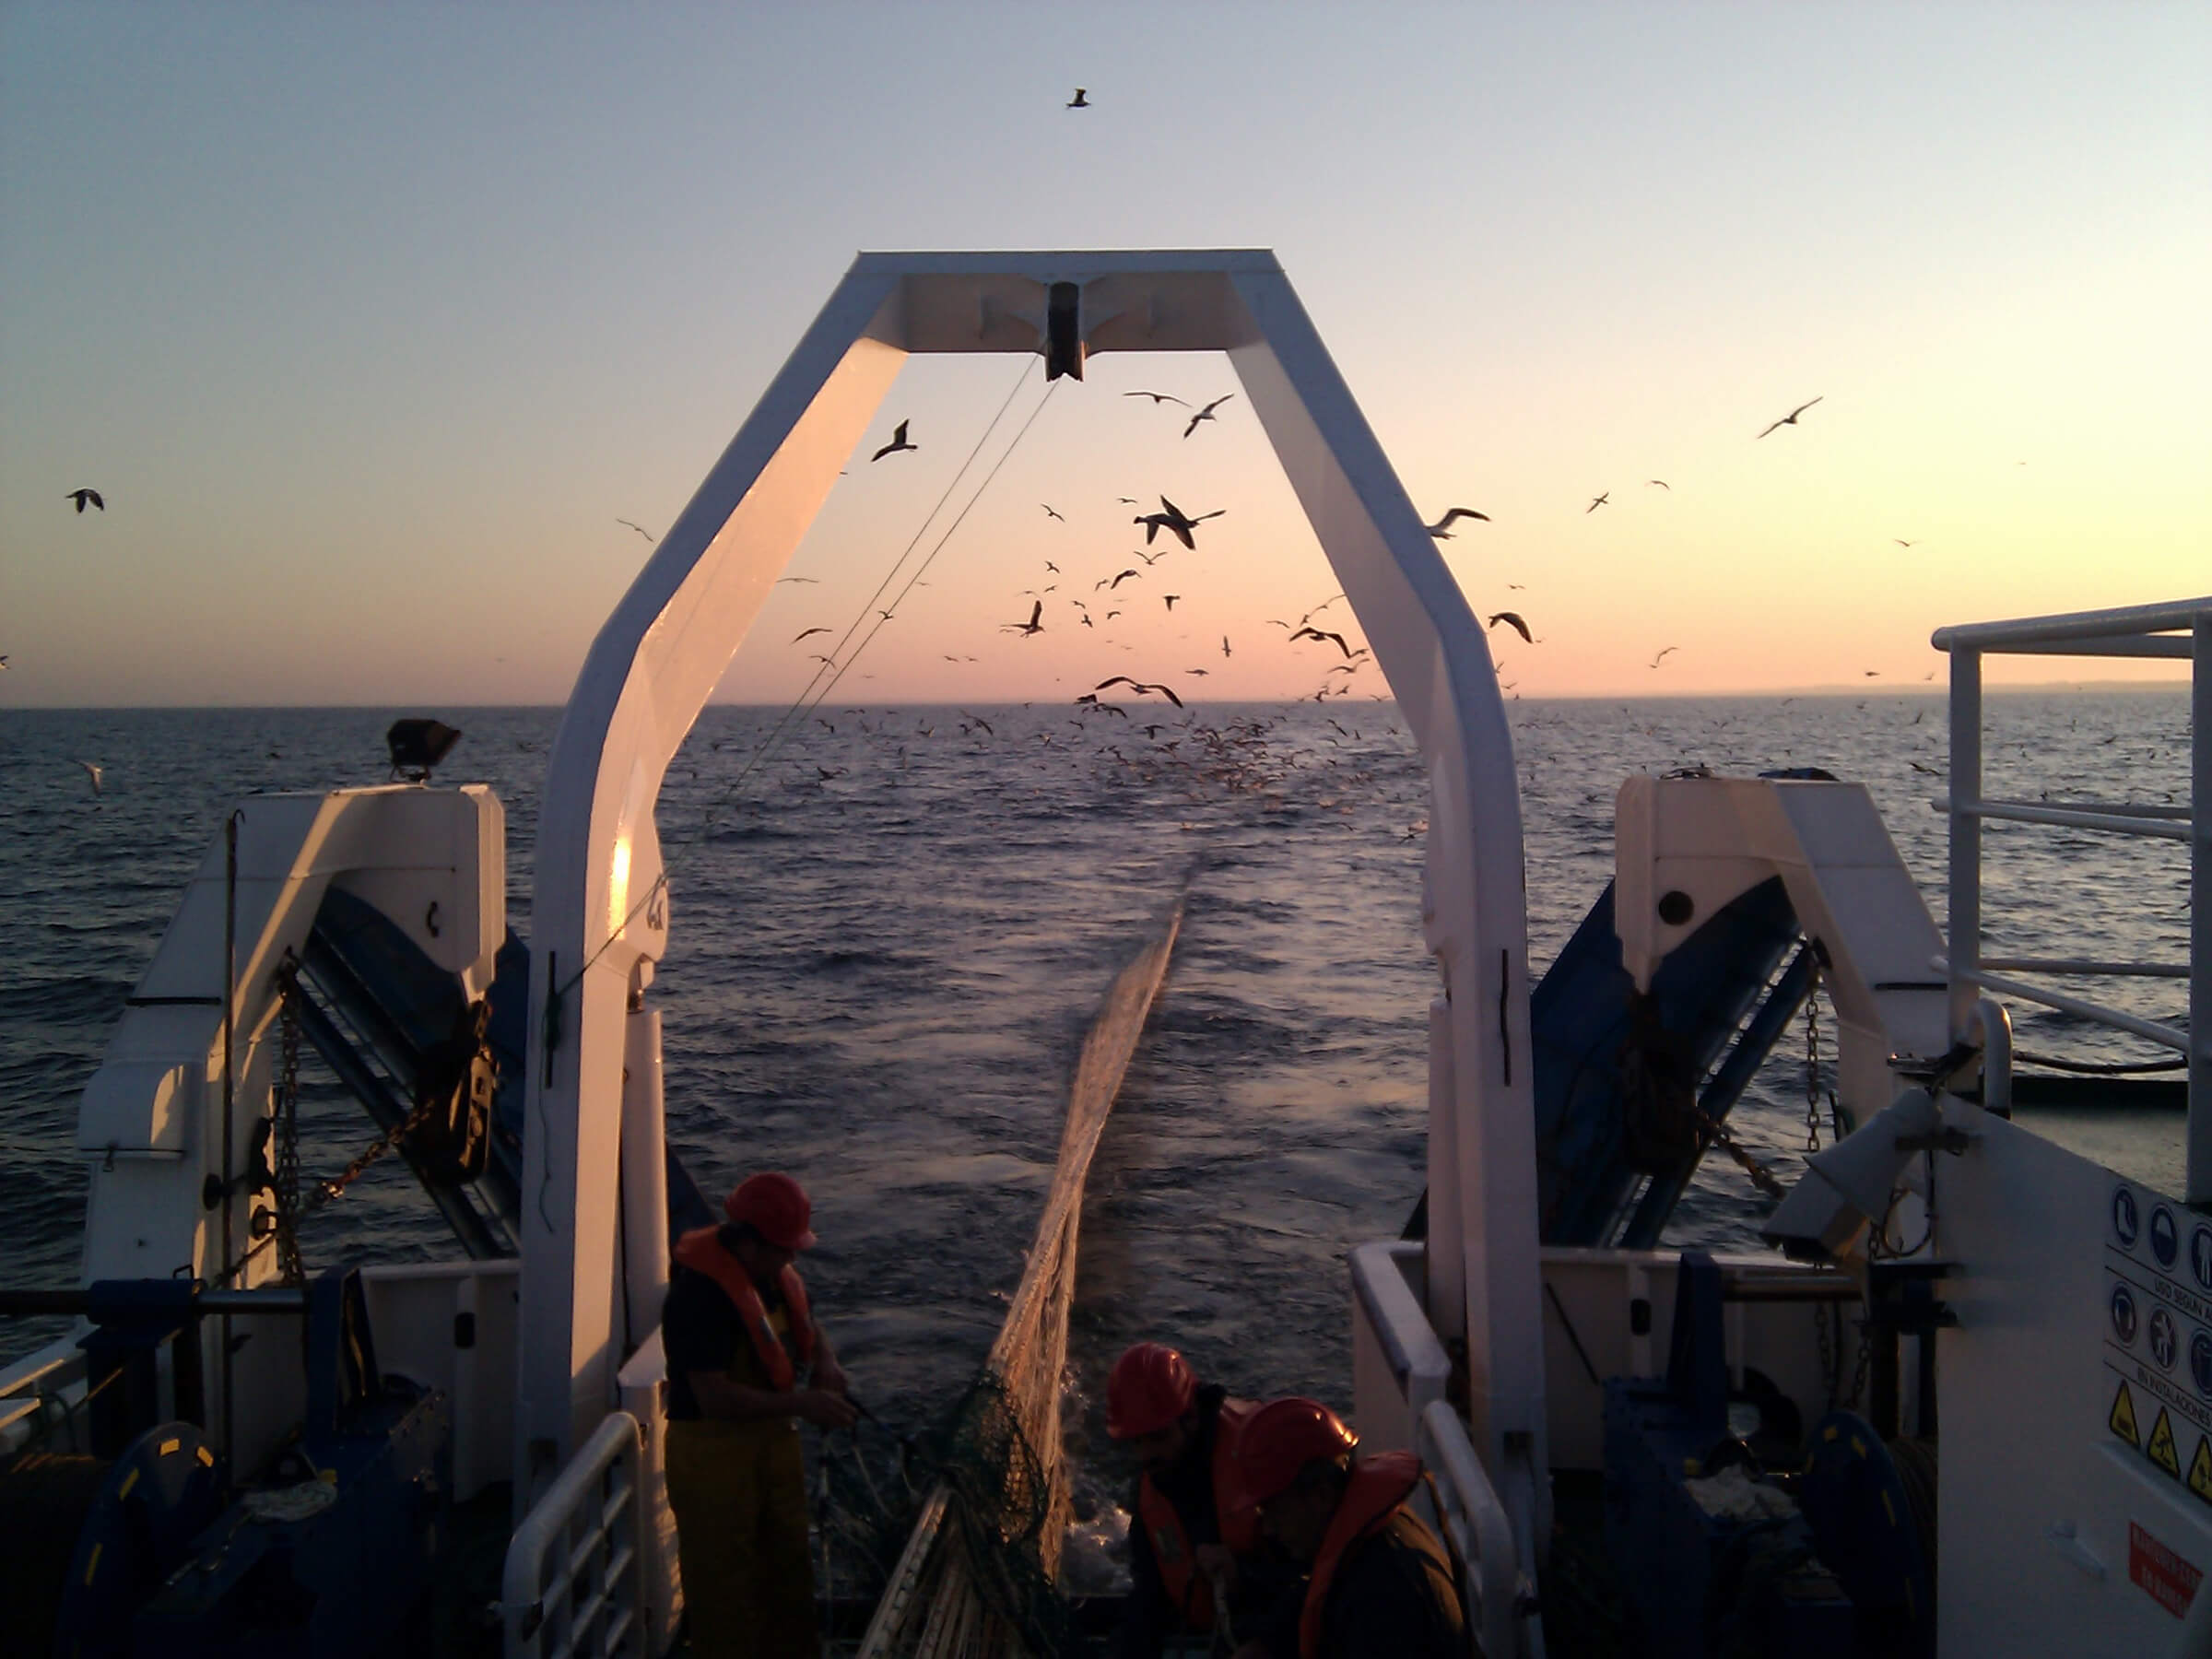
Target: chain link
x=1812 y=1062
x=1764 y=1178
x=327 y=1190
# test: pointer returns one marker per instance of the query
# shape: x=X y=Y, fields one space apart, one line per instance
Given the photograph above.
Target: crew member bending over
x=1188 y=1531
x=739 y=1337
x=1380 y=1584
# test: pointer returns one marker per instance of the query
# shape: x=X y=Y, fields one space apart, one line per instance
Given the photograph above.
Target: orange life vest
x=1380 y=1484
x=1237 y=1521
x=701 y=1250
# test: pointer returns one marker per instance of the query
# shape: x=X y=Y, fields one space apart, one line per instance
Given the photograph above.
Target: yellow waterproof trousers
x=739 y=1493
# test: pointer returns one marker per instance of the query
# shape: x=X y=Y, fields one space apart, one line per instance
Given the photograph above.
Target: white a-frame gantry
x=600 y=919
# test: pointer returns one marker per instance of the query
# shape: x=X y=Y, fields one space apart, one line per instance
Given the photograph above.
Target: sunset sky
x=370 y=322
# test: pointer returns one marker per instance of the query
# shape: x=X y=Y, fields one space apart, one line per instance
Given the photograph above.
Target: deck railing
x=575 y=1581
x=1502 y=1602
x=2180 y=630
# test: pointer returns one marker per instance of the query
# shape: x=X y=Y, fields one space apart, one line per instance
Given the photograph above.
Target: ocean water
x=889 y=940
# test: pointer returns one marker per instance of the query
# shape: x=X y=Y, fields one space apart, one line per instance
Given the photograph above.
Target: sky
x=371 y=322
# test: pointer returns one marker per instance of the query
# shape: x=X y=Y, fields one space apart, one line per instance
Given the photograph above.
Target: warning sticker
x=2122 y=1419
x=2166 y=1577
x=2155 y=1330
x=2200 y=1471
x=2161 y=1449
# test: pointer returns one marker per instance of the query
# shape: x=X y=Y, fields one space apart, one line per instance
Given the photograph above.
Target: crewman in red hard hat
x=1379 y=1585
x=740 y=1340
x=1187 y=1529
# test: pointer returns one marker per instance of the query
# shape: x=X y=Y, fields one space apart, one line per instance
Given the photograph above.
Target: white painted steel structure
x=601 y=915
x=2180 y=629
x=575 y=1576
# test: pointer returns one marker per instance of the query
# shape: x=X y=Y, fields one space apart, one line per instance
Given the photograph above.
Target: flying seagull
x=93 y=769
x=1140 y=687
x=1662 y=656
x=1662 y=483
x=812 y=630
x=639 y=528
x=1051 y=513
x=1157 y=399
x=1599 y=501
x=1172 y=598
x=1442 y=529
x=816 y=580
x=1033 y=626
x=82 y=496
x=1224 y=644
x=1206 y=412
x=1079 y=101
x=1520 y=627
x=1791 y=418
x=1315 y=633
x=1901 y=542
x=1175 y=522
x=897 y=444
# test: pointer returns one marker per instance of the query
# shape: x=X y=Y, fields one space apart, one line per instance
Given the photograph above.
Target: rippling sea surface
x=889 y=940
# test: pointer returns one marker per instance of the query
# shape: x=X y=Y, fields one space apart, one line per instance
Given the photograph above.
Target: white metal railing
x=1500 y=1613
x=575 y=1581
x=41 y=1391
x=2178 y=630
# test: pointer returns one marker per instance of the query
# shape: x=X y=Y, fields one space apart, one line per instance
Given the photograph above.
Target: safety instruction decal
x=2156 y=1332
x=2164 y=1574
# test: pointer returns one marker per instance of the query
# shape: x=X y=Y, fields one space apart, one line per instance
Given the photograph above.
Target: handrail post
x=2198 y=1190
x=1964 y=919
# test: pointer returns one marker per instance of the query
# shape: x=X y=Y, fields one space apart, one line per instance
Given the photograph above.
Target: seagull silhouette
x=1315 y=633
x=1442 y=529
x=1663 y=653
x=1600 y=501
x=1079 y=101
x=812 y=630
x=639 y=528
x=1139 y=687
x=1033 y=626
x=1157 y=399
x=1051 y=513
x=817 y=580
x=1175 y=522
x=1224 y=644
x=1791 y=418
x=1662 y=483
x=1051 y=567
x=1206 y=412
x=93 y=770
x=1900 y=543
x=1172 y=598
x=82 y=496
x=1520 y=627
x=897 y=444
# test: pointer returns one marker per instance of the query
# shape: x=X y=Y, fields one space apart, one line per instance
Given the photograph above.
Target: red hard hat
x=775 y=1207
x=1150 y=1387
x=1281 y=1438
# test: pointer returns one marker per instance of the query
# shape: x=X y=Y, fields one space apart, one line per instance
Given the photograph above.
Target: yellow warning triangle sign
x=2200 y=1470
x=2162 y=1446
x=2123 y=1420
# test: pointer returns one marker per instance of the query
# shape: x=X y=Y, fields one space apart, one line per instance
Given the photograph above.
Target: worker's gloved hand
x=1219 y=1564
x=826 y=1410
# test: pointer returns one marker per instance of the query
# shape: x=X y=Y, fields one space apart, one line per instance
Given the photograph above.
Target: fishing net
x=965 y=1526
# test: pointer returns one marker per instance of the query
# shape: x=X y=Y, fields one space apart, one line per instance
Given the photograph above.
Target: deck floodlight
x=1063 y=348
x=419 y=745
x=1855 y=1182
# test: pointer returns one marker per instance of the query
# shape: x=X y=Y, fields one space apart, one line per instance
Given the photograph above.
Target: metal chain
x=1822 y=1314
x=1764 y=1178
x=290 y=1268
x=1812 y=1064
x=327 y=1190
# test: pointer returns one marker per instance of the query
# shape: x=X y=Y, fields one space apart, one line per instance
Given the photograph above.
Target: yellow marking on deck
x=168 y=1446
x=92 y=1566
x=129 y=1481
